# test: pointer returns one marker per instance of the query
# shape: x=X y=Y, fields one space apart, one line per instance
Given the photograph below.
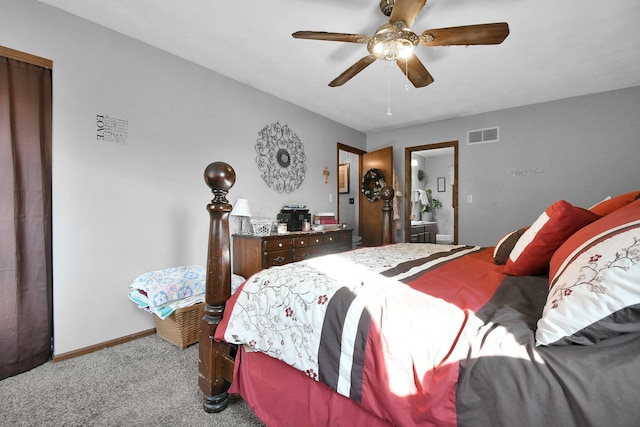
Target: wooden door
x=371 y=212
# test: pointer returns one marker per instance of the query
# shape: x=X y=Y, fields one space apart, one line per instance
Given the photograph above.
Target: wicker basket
x=261 y=226
x=183 y=327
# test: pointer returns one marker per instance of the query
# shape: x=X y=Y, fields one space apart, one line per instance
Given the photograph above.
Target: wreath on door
x=372 y=183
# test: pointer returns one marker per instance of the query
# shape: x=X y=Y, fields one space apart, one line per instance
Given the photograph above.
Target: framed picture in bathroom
x=343 y=178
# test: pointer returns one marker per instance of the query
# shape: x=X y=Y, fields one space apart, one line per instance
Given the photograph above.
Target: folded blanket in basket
x=165 y=310
x=163 y=291
x=171 y=284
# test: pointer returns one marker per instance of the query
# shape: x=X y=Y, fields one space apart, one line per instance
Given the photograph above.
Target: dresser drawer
x=344 y=238
x=278 y=244
x=316 y=240
x=343 y=246
x=272 y=258
x=301 y=242
x=301 y=254
x=330 y=239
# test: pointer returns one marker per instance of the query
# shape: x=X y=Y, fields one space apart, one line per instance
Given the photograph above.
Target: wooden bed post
x=386 y=194
x=216 y=358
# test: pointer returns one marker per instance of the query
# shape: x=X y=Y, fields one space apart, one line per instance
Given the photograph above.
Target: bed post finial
x=220 y=177
x=387 y=194
x=216 y=361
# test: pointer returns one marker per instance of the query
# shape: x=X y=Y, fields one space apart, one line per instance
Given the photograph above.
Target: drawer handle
x=280 y=244
x=278 y=259
x=317 y=240
x=331 y=239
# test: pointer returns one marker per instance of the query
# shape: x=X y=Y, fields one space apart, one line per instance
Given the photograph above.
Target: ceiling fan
x=394 y=41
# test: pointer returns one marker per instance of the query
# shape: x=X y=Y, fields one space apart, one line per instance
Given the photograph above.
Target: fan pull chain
x=406 y=80
x=389 y=113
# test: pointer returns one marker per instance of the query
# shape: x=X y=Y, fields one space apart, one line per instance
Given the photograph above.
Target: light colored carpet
x=146 y=382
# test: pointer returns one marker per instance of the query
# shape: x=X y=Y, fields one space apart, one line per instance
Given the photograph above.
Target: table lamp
x=242 y=211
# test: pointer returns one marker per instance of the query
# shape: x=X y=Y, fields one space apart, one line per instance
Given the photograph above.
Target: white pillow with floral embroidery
x=594 y=282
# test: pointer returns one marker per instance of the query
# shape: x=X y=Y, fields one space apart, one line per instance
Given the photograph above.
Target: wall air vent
x=481 y=136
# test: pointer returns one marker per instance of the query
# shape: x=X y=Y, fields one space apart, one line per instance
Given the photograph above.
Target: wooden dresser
x=254 y=253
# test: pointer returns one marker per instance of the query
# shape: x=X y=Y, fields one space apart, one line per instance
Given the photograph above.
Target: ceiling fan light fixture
x=405 y=50
x=392 y=50
x=392 y=42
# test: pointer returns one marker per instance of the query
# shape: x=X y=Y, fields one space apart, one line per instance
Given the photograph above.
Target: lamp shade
x=241 y=208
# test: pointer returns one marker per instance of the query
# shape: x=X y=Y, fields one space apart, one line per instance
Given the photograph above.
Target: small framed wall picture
x=343 y=178
x=441 y=184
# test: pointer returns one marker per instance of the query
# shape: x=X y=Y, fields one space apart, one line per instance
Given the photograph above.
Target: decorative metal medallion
x=280 y=158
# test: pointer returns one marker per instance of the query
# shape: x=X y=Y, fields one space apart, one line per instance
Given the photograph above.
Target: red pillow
x=505 y=245
x=533 y=251
x=607 y=206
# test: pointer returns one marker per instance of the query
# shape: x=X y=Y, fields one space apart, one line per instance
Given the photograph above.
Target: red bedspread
x=361 y=330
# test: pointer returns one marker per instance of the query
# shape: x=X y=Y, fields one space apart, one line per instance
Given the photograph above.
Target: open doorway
x=348 y=191
x=362 y=215
x=432 y=169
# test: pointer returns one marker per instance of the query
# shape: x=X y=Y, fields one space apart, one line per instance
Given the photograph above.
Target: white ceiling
x=556 y=49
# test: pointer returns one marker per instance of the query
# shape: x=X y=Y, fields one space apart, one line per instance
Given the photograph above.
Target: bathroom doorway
x=432 y=169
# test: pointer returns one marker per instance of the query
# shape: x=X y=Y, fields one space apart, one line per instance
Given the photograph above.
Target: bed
x=541 y=329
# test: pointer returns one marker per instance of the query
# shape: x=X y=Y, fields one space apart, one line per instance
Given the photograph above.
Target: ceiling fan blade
x=406 y=10
x=352 y=71
x=466 y=35
x=415 y=71
x=333 y=37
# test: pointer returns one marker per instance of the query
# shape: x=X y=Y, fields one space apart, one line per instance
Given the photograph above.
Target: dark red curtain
x=26 y=308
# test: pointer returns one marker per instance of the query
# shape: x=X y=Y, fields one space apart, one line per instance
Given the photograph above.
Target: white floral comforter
x=281 y=311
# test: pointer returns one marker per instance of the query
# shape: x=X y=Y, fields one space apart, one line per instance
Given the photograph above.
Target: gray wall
x=120 y=210
x=578 y=149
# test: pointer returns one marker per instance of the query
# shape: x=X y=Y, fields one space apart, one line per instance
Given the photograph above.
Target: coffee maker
x=294 y=217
